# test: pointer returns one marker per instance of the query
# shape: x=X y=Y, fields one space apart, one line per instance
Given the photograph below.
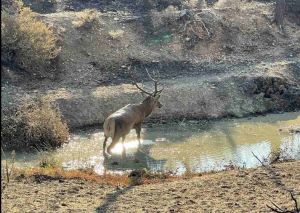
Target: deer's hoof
x=106 y=155
x=140 y=149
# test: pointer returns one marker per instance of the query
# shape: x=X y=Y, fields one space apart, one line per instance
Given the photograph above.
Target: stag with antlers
x=119 y=123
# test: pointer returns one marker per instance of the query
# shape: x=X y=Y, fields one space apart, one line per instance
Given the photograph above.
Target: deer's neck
x=146 y=109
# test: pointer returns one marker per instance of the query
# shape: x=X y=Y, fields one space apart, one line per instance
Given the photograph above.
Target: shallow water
x=181 y=147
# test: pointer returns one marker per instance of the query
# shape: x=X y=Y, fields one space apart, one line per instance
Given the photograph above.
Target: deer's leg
x=124 y=150
x=113 y=143
x=104 y=146
x=138 y=128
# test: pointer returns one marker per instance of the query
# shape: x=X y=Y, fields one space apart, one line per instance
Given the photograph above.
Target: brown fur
x=119 y=124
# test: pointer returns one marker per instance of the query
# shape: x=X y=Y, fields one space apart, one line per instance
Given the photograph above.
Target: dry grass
x=34 y=125
x=55 y=172
x=87 y=174
x=116 y=34
x=86 y=19
x=27 y=43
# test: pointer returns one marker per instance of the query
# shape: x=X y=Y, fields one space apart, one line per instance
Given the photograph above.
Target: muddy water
x=188 y=146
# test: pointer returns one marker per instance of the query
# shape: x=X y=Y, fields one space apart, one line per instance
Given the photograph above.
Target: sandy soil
x=230 y=191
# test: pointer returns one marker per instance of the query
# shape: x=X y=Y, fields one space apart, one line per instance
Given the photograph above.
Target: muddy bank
x=191 y=98
x=241 y=92
x=237 y=190
x=202 y=96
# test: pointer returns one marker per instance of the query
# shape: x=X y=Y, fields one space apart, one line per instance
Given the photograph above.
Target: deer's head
x=153 y=101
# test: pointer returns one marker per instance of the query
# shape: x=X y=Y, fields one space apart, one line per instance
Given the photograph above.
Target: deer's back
x=129 y=113
x=124 y=119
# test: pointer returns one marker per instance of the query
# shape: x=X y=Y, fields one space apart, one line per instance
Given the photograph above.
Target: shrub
x=33 y=125
x=27 y=43
x=86 y=19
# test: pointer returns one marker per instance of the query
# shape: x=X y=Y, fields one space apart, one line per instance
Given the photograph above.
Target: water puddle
x=184 y=147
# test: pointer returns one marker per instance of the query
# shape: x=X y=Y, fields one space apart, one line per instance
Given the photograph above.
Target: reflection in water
x=177 y=148
x=130 y=146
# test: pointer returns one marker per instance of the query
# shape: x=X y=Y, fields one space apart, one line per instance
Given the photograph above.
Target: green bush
x=27 y=43
x=33 y=125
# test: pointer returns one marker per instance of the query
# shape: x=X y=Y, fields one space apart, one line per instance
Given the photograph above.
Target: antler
x=156 y=82
x=134 y=82
x=137 y=86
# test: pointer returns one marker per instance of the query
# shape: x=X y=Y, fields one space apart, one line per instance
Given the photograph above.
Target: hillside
x=228 y=51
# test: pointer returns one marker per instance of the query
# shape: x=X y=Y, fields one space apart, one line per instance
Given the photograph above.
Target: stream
x=187 y=146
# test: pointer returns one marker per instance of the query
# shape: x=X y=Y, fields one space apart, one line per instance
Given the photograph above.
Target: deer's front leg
x=124 y=150
x=138 y=128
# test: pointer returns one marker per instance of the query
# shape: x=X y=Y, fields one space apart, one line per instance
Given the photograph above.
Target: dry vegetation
x=28 y=44
x=33 y=125
x=116 y=34
x=136 y=177
x=230 y=191
x=86 y=19
x=56 y=173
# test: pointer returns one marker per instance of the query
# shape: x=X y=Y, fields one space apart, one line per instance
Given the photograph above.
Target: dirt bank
x=241 y=91
x=243 y=65
x=229 y=191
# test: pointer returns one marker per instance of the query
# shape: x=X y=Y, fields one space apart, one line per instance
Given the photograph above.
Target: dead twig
x=8 y=171
x=259 y=160
x=203 y=25
x=275 y=207
x=191 y=22
x=296 y=203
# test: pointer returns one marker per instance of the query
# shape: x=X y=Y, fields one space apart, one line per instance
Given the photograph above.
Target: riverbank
x=241 y=92
x=241 y=67
x=226 y=191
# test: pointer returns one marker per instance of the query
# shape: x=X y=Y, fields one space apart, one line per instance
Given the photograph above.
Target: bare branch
x=258 y=160
x=203 y=24
x=276 y=208
x=296 y=203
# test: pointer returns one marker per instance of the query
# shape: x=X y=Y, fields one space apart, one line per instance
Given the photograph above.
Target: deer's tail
x=109 y=128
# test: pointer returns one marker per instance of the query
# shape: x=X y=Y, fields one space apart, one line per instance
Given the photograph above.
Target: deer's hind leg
x=113 y=143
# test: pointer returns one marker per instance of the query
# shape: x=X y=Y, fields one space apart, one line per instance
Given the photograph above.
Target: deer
x=118 y=124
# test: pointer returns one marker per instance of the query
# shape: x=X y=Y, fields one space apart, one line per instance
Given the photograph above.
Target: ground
x=246 y=190
x=243 y=61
